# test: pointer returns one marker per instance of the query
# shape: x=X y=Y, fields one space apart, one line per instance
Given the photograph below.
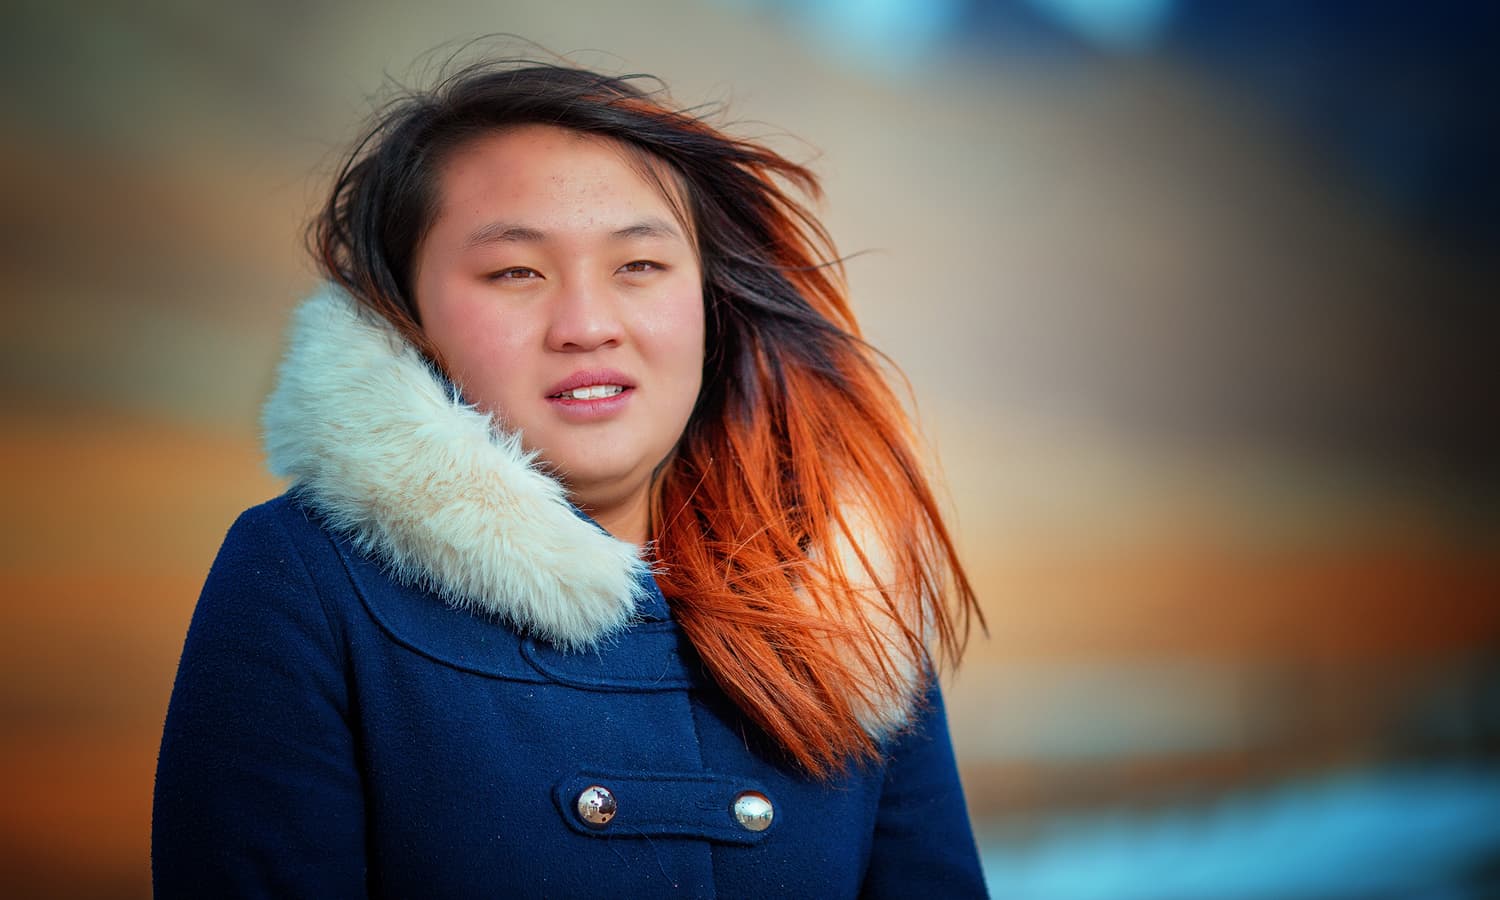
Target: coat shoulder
x=283 y=553
x=279 y=553
x=282 y=531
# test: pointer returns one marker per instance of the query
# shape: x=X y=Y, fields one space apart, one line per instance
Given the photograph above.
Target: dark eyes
x=523 y=273
x=641 y=265
x=516 y=273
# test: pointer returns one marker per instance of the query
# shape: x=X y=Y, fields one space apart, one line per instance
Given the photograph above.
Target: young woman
x=607 y=567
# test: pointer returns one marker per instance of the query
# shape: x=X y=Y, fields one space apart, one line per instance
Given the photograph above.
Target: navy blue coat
x=332 y=733
x=401 y=676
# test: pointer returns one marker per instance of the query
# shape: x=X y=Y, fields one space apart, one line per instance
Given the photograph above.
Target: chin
x=601 y=484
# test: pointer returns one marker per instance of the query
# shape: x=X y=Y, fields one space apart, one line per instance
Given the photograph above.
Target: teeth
x=593 y=392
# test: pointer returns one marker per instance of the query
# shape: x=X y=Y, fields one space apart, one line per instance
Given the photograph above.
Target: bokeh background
x=1197 y=300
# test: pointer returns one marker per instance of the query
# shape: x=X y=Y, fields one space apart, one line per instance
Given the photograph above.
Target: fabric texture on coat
x=385 y=693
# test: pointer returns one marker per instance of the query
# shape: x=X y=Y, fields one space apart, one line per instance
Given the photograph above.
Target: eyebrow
x=504 y=232
x=653 y=227
x=510 y=232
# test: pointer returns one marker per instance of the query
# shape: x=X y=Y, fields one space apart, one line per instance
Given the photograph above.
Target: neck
x=628 y=519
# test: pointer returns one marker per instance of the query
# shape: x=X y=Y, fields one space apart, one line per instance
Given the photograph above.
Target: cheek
x=482 y=347
x=678 y=331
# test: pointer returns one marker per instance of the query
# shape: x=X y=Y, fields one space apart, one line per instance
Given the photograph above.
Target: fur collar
x=389 y=453
x=392 y=456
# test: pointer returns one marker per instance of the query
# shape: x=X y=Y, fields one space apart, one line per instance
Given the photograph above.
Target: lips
x=593 y=392
x=591 y=384
x=591 y=396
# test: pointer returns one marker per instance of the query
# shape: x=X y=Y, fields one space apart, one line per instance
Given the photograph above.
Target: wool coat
x=403 y=675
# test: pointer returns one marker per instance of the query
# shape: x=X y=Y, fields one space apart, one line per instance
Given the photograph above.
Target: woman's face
x=567 y=301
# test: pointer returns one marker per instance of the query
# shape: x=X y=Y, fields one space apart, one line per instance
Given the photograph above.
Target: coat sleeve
x=257 y=789
x=924 y=845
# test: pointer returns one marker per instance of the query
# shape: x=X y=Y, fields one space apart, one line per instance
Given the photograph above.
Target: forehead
x=549 y=171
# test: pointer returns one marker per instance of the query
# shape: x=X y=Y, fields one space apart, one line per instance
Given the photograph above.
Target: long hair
x=795 y=533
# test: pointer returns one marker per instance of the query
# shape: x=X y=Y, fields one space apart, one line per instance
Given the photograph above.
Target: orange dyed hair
x=795 y=533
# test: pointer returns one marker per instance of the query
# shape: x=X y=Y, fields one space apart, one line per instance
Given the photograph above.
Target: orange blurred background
x=1209 y=402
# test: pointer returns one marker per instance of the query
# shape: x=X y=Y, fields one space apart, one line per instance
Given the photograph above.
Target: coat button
x=596 y=806
x=753 y=811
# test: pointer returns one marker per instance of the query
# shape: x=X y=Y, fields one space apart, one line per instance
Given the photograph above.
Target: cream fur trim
x=429 y=485
x=881 y=714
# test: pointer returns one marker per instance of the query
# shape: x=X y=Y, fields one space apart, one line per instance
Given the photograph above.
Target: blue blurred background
x=1198 y=304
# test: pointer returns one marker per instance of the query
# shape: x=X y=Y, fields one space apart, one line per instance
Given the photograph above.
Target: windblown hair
x=795 y=533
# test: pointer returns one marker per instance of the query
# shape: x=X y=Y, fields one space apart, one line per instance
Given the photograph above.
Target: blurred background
x=1198 y=304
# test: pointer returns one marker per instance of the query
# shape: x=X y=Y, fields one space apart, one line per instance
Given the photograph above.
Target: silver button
x=753 y=811
x=596 y=805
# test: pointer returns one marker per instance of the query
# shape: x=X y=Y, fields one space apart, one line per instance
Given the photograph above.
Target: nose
x=585 y=316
